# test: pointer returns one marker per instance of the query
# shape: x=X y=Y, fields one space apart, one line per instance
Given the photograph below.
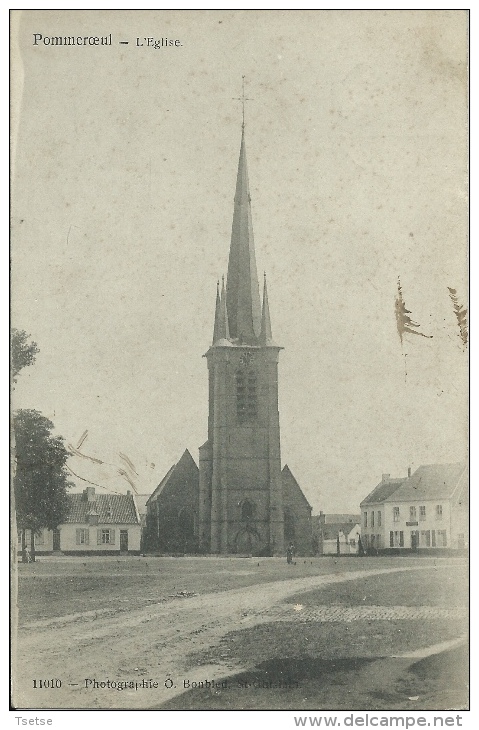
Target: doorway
x=56 y=541
x=123 y=541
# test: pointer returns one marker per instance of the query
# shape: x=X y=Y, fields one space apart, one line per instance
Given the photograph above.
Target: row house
x=425 y=510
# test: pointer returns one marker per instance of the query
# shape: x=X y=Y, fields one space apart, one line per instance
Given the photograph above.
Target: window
x=379 y=519
x=289 y=526
x=433 y=538
x=425 y=538
x=365 y=515
x=372 y=519
x=246 y=396
x=396 y=514
x=246 y=510
x=106 y=537
x=438 y=511
x=396 y=538
x=83 y=536
x=412 y=514
x=422 y=512
x=441 y=538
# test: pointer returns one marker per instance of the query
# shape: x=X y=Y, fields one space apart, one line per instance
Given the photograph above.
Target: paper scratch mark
x=82 y=438
x=461 y=315
x=404 y=322
x=129 y=462
x=76 y=452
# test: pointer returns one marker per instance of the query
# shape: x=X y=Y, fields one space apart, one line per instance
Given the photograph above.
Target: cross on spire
x=243 y=99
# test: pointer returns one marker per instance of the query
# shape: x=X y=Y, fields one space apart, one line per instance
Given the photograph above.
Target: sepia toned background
x=124 y=165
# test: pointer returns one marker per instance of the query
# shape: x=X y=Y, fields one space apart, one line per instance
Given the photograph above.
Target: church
x=239 y=500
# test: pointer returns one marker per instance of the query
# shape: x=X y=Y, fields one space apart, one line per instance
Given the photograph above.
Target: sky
x=123 y=175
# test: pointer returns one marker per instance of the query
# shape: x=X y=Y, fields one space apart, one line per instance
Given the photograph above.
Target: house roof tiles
x=430 y=481
x=111 y=509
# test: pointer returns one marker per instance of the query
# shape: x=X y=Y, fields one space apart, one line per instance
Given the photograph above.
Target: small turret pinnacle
x=221 y=333
x=217 y=313
x=266 y=337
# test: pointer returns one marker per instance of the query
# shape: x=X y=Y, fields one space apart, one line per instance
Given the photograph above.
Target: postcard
x=239 y=309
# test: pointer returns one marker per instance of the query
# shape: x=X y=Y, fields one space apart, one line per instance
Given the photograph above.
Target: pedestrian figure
x=290 y=553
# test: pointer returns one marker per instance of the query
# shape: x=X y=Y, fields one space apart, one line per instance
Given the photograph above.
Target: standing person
x=290 y=553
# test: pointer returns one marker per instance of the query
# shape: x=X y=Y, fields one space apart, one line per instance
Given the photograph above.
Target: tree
x=41 y=478
x=22 y=351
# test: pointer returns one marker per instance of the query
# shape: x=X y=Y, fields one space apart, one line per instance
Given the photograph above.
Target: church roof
x=289 y=480
x=242 y=292
x=186 y=464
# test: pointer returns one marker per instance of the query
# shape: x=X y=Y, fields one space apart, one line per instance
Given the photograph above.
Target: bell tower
x=240 y=493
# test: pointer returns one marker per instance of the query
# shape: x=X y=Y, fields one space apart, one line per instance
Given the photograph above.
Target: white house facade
x=102 y=524
x=428 y=510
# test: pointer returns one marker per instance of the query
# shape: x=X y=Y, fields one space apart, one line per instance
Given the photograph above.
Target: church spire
x=244 y=307
x=266 y=337
x=221 y=331
x=217 y=313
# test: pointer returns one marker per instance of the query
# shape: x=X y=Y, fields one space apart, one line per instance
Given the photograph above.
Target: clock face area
x=247 y=359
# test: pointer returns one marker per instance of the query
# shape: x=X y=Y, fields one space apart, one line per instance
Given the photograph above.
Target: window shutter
x=112 y=537
x=78 y=535
x=87 y=536
x=391 y=539
x=401 y=539
x=98 y=537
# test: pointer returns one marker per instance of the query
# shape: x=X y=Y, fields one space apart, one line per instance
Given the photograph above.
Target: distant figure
x=28 y=557
x=290 y=553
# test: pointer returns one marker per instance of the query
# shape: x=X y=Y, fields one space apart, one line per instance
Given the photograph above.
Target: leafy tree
x=22 y=354
x=41 y=478
x=23 y=351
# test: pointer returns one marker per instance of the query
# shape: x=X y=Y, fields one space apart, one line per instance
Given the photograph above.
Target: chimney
x=128 y=491
x=409 y=471
x=89 y=494
x=385 y=478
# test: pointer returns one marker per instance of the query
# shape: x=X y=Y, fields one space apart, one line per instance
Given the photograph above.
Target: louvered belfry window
x=246 y=396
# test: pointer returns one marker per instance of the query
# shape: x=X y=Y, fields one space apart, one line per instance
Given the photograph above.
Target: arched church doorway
x=247 y=541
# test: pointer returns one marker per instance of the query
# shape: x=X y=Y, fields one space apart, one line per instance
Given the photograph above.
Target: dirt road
x=148 y=643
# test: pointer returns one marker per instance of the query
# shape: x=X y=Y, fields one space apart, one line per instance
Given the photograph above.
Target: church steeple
x=266 y=337
x=242 y=295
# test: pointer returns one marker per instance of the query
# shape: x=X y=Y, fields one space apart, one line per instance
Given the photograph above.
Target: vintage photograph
x=239 y=360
